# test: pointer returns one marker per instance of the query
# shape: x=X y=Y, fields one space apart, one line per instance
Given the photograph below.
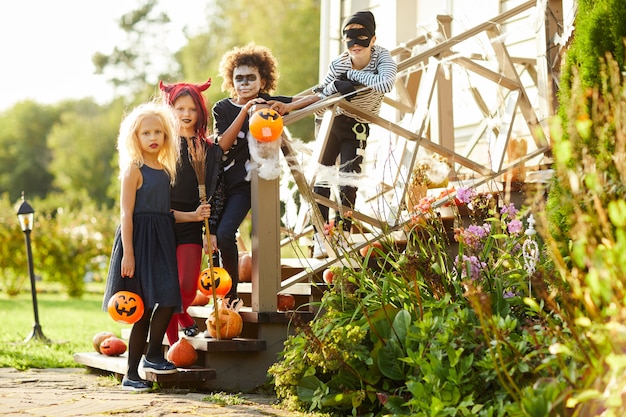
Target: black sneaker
x=162 y=368
x=191 y=330
x=136 y=386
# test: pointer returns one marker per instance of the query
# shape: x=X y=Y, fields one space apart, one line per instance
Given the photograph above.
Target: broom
x=197 y=158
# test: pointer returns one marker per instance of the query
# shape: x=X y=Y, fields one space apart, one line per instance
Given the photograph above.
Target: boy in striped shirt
x=363 y=64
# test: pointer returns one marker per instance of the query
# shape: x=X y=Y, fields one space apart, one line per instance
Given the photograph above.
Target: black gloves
x=345 y=87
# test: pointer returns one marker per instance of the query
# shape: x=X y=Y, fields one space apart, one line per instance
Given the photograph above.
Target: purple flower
x=473 y=236
x=479 y=231
x=471 y=263
x=508 y=294
x=465 y=195
x=514 y=227
x=510 y=210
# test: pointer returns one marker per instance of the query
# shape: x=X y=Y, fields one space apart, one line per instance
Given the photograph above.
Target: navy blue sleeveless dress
x=156 y=272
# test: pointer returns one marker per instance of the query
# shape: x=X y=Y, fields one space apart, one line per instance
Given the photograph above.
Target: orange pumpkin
x=223 y=282
x=200 y=299
x=373 y=249
x=112 y=346
x=125 y=307
x=328 y=276
x=245 y=267
x=231 y=324
x=266 y=125
x=286 y=302
x=99 y=338
x=182 y=353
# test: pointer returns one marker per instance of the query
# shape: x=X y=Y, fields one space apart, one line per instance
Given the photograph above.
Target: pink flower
x=425 y=204
x=514 y=227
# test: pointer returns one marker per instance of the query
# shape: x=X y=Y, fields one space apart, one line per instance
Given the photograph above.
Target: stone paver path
x=73 y=392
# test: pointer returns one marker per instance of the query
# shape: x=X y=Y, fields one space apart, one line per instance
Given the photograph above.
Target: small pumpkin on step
x=112 y=346
x=245 y=267
x=231 y=324
x=182 y=353
x=99 y=338
x=286 y=302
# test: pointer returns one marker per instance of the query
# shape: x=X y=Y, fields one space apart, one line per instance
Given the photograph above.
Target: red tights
x=189 y=257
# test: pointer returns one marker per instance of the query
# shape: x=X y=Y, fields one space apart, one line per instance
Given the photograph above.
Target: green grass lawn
x=70 y=324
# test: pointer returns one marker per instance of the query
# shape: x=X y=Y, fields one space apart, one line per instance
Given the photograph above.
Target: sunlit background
x=47 y=46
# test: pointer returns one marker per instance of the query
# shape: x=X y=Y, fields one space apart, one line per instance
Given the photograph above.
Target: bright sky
x=46 y=45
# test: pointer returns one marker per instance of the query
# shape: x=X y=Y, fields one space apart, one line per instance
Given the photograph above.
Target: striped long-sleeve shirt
x=379 y=75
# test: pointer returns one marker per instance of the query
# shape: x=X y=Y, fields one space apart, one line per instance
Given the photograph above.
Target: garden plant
x=458 y=324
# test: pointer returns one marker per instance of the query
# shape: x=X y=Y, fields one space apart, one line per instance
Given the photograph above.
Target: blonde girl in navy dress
x=143 y=258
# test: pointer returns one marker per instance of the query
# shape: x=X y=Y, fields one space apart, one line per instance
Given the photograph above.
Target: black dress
x=185 y=196
x=156 y=272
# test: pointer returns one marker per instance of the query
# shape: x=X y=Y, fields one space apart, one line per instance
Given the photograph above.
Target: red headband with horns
x=174 y=91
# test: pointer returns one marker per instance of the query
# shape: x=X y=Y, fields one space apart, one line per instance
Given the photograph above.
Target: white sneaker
x=319 y=250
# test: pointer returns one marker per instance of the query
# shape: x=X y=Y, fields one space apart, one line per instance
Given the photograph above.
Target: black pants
x=346 y=137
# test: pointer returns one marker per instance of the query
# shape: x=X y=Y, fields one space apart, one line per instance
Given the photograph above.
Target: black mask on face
x=357 y=37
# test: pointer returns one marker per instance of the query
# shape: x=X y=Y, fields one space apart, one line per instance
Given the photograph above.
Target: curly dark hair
x=251 y=55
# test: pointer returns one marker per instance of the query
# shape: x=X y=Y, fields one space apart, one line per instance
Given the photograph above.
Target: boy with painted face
x=364 y=64
x=250 y=75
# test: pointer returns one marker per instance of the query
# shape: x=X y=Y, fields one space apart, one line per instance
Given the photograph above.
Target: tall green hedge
x=600 y=30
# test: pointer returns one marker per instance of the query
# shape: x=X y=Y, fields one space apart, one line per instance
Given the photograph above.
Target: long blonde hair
x=128 y=144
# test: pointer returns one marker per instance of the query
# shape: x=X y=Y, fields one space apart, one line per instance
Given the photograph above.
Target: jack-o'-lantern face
x=266 y=125
x=125 y=307
x=223 y=282
x=230 y=324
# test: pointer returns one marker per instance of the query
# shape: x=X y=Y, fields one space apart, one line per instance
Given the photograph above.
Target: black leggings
x=343 y=143
x=152 y=322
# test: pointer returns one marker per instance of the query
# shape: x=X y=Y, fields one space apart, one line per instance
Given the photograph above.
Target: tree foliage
x=25 y=157
x=143 y=58
x=290 y=30
x=135 y=68
x=83 y=145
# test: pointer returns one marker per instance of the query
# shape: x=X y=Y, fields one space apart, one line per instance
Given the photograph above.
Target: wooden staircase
x=239 y=364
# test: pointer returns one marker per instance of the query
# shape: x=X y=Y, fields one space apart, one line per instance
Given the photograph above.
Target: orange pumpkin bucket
x=125 y=307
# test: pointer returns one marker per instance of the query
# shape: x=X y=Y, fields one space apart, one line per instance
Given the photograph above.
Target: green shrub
x=14 y=269
x=421 y=332
x=600 y=32
x=71 y=237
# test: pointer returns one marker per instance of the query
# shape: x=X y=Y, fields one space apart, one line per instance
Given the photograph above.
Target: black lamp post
x=26 y=216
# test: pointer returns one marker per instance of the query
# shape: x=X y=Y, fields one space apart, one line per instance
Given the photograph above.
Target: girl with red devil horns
x=190 y=107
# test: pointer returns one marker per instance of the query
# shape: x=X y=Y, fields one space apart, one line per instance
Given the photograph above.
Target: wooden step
x=209 y=344
x=191 y=377
x=301 y=288
x=240 y=364
x=234 y=345
x=250 y=316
